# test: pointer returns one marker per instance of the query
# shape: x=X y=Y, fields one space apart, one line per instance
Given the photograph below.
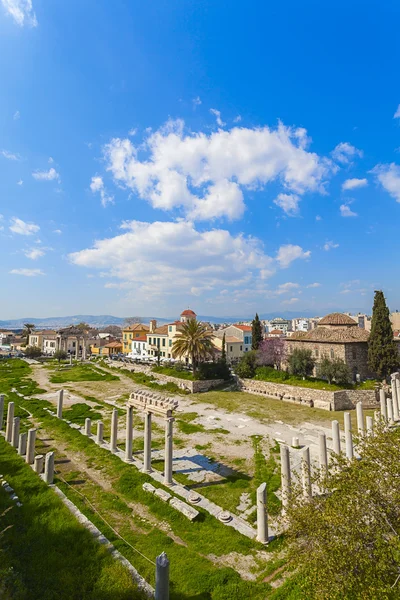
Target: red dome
x=188 y=313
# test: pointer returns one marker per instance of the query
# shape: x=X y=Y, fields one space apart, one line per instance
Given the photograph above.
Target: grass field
x=80 y=372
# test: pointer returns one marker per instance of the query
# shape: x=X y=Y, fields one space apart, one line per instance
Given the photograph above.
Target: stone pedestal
x=348 y=436
x=370 y=426
x=100 y=432
x=1 y=410
x=60 y=400
x=49 y=468
x=22 y=444
x=147 y=443
x=15 y=432
x=285 y=477
x=162 y=577
x=168 y=450
x=10 y=421
x=306 y=472
x=30 y=448
x=114 y=430
x=129 y=434
x=336 y=437
x=262 y=516
x=382 y=399
x=360 y=419
x=88 y=427
x=39 y=461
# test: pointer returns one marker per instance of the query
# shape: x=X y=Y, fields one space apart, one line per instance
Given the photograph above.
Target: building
x=301 y=324
x=132 y=332
x=139 y=348
x=5 y=339
x=46 y=340
x=233 y=347
x=238 y=334
x=161 y=339
x=395 y=319
x=276 y=333
x=76 y=340
x=278 y=323
x=336 y=336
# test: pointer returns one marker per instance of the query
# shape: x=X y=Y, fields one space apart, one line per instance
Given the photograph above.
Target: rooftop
x=242 y=327
x=337 y=319
x=339 y=335
x=137 y=327
x=188 y=313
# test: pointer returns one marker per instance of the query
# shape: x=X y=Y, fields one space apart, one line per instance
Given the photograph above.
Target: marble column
x=382 y=399
x=15 y=432
x=168 y=450
x=262 y=515
x=306 y=472
x=360 y=419
x=129 y=434
x=147 y=443
x=39 y=461
x=60 y=399
x=100 y=432
x=389 y=410
x=88 y=427
x=395 y=399
x=114 y=430
x=162 y=577
x=70 y=359
x=370 y=426
x=1 y=410
x=10 y=420
x=22 y=444
x=49 y=468
x=397 y=383
x=30 y=448
x=285 y=477
x=336 y=437
x=77 y=348
x=348 y=436
x=323 y=455
x=295 y=442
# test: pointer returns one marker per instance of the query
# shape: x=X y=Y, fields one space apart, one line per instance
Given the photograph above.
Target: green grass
x=276 y=376
x=82 y=373
x=150 y=381
x=172 y=372
x=79 y=412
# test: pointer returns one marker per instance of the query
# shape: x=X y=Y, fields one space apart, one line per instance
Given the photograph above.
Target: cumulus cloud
x=289 y=203
x=285 y=288
x=34 y=253
x=49 y=175
x=352 y=184
x=22 y=228
x=345 y=211
x=187 y=171
x=10 y=155
x=389 y=178
x=330 y=245
x=27 y=272
x=344 y=153
x=97 y=186
x=21 y=11
x=288 y=253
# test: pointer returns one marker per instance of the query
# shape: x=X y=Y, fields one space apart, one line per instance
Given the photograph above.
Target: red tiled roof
x=188 y=313
x=243 y=327
x=113 y=345
x=141 y=338
x=137 y=326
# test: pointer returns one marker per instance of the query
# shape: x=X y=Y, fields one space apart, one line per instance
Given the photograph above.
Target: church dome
x=337 y=319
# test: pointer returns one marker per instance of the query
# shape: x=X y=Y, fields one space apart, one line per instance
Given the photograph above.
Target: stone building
x=336 y=336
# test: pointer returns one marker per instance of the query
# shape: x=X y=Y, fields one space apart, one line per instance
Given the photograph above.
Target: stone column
x=15 y=432
x=1 y=410
x=295 y=442
x=262 y=515
x=370 y=426
x=397 y=383
x=348 y=436
x=88 y=427
x=336 y=437
x=147 y=443
x=323 y=455
x=77 y=348
x=60 y=399
x=100 y=433
x=285 y=477
x=114 y=430
x=395 y=399
x=70 y=359
x=129 y=434
x=22 y=444
x=10 y=420
x=306 y=472
x=168 y=450
x=39 y=460
x=360 y=419
x=382 y=398
x=30 y=449
x=389 y=410
x=49 y=468
x=162 y=577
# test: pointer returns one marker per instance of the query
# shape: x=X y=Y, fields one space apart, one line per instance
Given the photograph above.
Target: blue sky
x=219 y=155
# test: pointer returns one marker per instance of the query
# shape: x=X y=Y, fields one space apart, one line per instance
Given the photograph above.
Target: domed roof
x=188 y=313
x=337 y=319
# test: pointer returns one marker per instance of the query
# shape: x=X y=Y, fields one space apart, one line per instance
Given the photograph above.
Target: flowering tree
x=272 y=352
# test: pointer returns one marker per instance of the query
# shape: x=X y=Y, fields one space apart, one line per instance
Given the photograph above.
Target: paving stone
x=148 y=487
x=162 y=494
x=189 y=512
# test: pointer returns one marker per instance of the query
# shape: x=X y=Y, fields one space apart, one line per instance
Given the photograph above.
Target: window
x=241 y=348
x=332 y=353
x=163 y=353
x=246 y=340
x=158 y=342
x=163 y=342
x=170 y=343
x=231 y=348
x=130 y=336
x=125 y=336
x=170 y=328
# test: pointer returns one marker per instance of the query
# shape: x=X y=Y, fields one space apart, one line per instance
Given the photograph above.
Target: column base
x=147 y=470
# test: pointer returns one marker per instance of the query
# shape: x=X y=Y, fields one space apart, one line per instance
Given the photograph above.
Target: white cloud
x=34 y=253
x=132 y=132
x=58 y=231
x=345 y=153
x=49 y=175
x=397 y=113
x=27 y=272
x=330 y=245
x=20 y=182
x=289 y=203
x=16 y=115
x=352 y=184
x=318 y=218
x=97 y=186
x=237 y=119
x=51 y=160
x=345 y=211
x=288 y=253
x=217 y=115
x=389 y=177
x=290 y=301
x=188 y=171
x=10 y=155
x=21 y=11
x=196 y=101
x=285 y=288
x=21 y=227
x=314 y=285
x=352 y=287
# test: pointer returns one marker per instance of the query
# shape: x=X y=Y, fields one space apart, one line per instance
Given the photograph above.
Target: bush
x=301 y=362
x=335 y=369
x=32 y=352
x=60 y=355
x=246 y=367
x=213 y=370
x=271 y=374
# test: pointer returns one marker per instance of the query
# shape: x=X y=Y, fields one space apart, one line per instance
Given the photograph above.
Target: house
x=160 y=339
x=5 y=339
x=233 y=347
x=45 y=340
x=242 y=333
x=132 y=332
x=278 y=323
x=276 y=333
x=139 y=347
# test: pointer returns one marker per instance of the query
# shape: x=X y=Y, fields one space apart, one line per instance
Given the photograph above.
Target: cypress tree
x=383 y=357
x=256 y=331
x=223 y=353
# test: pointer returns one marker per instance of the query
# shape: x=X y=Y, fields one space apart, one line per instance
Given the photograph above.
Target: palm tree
x=28 y=328
x=194 y=340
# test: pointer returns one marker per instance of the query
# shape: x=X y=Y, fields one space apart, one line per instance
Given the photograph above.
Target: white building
x=139 y=348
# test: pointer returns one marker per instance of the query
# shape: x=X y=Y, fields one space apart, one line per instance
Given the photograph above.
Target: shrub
x=335 y=369
x=301 y=362
x=246 y=367
x=32 y=352
x=271 y=374
x=213 y=370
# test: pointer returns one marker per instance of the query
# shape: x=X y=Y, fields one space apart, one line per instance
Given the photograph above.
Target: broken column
x=395 y=399
x=100 y=432
x=114 y=430
x=382 y=399
x=397 y=383
x=168 y=450
x=323 y=455
x=30 y=448
x=147 y=443
x=10 y=421
x=129 y=434
x=389 y=410
x=360 y=419
x=370 y=426
x=306 y=472
x=15 y=432
x=1 y=410
x=162 y=577
x=60 y=400
x=39 y=460
x=336 y=437
x=262 y=516
x=348 y=436
x=49 y=468
x=88 y=427
x=22 y=444
x=285 y=476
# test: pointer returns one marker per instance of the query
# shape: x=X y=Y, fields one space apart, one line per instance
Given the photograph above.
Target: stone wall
x=326 y=400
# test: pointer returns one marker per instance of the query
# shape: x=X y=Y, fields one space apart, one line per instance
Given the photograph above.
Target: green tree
x=383 y=357
x=194 y=341
x=256 y=333
x=335 y=369
x=301 y=362
x=32 y=352
x=27 y=330
x=60 y=355
x=223 y=352
x=246 y=367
